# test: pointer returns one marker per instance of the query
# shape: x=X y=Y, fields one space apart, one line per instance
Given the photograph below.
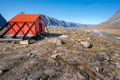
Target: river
x=104 y=34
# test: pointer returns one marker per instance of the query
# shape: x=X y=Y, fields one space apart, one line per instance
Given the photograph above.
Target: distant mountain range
x=52 y=22
x=111 y=23
x=49 y=21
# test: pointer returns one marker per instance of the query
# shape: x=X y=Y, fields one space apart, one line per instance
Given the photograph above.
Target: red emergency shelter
x=25 y=25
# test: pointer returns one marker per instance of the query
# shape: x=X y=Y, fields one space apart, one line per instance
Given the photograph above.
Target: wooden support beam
x=4 y=26
x=28 y=31
x=19 y=30
x=7 y=30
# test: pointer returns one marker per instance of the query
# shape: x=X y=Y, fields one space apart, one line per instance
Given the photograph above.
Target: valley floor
x=110 y=31
x=67 y=54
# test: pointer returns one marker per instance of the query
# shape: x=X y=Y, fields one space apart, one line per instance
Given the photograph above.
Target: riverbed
x=104 y=34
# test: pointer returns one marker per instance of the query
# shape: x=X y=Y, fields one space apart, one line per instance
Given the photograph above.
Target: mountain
x=111 y=23
x=49 y=21
x=2 y=20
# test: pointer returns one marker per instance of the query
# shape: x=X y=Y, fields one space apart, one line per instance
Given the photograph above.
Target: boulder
x=63 y=36
x=116 y=77
x=24 y=42
x=86 y=44
x=56 y=41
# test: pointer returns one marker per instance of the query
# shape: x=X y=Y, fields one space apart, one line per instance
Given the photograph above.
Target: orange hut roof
x=25 y=18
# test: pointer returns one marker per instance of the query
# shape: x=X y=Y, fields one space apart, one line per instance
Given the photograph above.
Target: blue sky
x=82 y=11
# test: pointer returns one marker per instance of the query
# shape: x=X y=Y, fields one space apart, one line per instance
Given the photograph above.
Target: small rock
x=57 y=42
x=1 y=72
x=72 y=40
x=86 y=44
x=96 y=68
x=84 y=75
x=55 y=55
x=13 y=42
x=46 y=37
x=117 y=64
x=24 y=42
x=31 y=55
x=5 y=49
x=14 y=69
x=88 y=38
x=116 y=54
x=116 y=77
x=4 y=71
x=38 y=78
x=63 y=36
x=44 y=77
x=23 y=79
x=99 y=69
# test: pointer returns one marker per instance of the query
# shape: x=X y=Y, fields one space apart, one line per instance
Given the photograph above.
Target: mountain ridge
x=49 y=21
x=112 y=23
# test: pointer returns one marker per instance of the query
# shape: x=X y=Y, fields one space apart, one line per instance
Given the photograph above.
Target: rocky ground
x=67 y=54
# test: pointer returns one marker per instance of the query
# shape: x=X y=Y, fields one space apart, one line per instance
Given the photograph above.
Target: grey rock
x=99 y=69
x=85 y=75
x=56 y=54
x=56 y=41
x=63 y=36
x=117 y=64
x=1 y=72
x=5 y=49
x=88 y=38
x=31 y=55
x=4 y=71
x=14 y=69
x=116 y=77
x=86 y=44
x=23 y=79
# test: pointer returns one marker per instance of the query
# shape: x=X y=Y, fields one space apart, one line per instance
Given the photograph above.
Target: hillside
x=111 y=23
x=67 y=54
x=2 y=20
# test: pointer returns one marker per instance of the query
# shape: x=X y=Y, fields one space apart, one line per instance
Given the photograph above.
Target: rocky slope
x=111 y=23
x=49 y=21
x=2 y=20
x=67 y=54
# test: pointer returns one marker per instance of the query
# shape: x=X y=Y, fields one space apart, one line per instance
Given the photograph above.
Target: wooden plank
x=4 y=26
x=10 y=39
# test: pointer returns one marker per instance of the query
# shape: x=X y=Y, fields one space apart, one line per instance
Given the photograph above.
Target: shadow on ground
x=52 y=35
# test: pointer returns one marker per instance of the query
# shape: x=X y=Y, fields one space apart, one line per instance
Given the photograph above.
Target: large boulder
x=86 y=44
